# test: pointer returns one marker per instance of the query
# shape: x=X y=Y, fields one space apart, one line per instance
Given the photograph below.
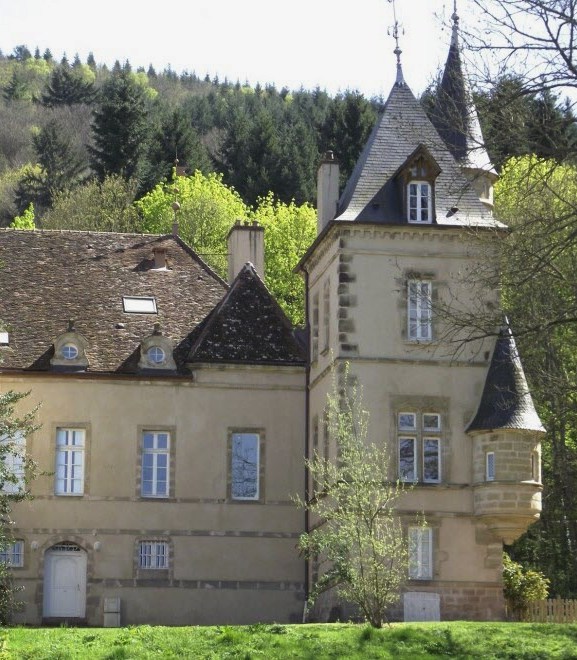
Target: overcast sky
x=333 y=44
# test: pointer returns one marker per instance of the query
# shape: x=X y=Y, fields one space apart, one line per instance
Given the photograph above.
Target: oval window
x=156 y=355
x=69 y=352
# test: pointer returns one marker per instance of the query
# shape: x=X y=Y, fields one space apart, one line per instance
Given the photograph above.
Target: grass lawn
x=411 y=641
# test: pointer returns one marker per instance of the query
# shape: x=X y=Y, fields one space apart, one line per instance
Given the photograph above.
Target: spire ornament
x=394 y=32
x=455 y=31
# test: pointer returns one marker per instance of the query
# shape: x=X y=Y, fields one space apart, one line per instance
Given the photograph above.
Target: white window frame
x=159 y=488
x=315 y=329
x=407 y=421
x=70 y=461
x=419 y=310
x=490 y=466
x=411 y=429
x=420 y=553
x=153 y=555
x=13 y=555
x=245 y=466
x=326 y=315
x=418 y=203
x=139 y=305
x=14 y=463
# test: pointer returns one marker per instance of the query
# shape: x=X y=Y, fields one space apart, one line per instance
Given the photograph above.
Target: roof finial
x=455 y=33
x=395 y=34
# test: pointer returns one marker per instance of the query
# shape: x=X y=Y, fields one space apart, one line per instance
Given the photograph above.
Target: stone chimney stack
x=159 y=258
x=327 y=190
x=245 y=243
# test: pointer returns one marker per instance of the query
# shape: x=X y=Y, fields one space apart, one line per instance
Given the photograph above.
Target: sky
x=332 y=44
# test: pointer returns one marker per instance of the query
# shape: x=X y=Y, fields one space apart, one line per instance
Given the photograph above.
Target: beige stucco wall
x=221 y=551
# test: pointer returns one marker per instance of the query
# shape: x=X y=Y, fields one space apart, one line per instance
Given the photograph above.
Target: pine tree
x=119 y=126
x=67 y=87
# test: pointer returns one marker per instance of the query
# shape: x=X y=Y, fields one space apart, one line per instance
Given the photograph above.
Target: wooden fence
x=553 y=610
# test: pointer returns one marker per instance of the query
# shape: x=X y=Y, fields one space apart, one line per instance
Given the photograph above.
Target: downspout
x=307 y=439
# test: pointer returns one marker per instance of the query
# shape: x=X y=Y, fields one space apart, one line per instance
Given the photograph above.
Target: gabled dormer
x=70 y=350
x=416 y=179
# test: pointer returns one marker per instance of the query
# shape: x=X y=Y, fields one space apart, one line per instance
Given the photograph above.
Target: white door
x=65 y=582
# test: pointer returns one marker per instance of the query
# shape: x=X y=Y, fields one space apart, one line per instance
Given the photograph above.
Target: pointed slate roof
x=247 y=326
x=455 y=115
x=506 y=402
x=372 y=193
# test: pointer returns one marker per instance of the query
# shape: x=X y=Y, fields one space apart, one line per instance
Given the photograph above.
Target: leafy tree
x=119 y=126
x=61 y=168
x=208 y=209
x=67 y=86
x=26 y=220
x=359 y=538
x=522 y=586
x=97 y=206
x=13 y=485
x=289 y=231
x=538 y=200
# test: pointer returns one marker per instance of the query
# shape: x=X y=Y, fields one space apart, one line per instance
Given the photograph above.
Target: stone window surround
x=87 y=428
x=261 y=465
x=156 y=428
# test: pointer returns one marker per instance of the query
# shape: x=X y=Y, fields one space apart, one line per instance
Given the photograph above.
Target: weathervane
x=394 y=32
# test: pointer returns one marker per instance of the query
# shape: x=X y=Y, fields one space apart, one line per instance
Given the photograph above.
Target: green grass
x=314 y=642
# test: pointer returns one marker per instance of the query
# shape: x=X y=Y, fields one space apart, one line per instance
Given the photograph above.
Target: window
x=156 y=355
x=490 y=466
x=420 y=553
x=315 y=329
x=139 y=304
x=4 y=338
x=13 y=555
x=155 y=464
x=419 y=445
x=69 y=352
x=245 y=466
x=535 y=466
x=69 y=461
x=14 y=463
x=153 y=555
x=419 y=310
x=420 y=202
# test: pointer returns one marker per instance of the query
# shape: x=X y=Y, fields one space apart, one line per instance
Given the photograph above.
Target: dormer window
x=416 y=179
x=156 y=355
x=420 y=202
x=69 y=351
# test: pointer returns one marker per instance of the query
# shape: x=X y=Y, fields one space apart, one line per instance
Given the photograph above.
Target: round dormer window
x=156 y=355
x=69 y=352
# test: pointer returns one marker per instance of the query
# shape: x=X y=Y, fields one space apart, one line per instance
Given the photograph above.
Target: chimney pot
x=245 y=244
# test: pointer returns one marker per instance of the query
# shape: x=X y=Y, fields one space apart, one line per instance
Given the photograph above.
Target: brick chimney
x=327 y=190
x=245 y=243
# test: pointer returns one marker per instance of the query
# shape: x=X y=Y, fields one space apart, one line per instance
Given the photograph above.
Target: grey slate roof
x=372 y=194
x=506 y=402
x=247 y=326
x=49 y=277
x=455 y=115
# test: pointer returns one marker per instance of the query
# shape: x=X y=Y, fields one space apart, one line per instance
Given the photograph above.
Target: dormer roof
x=506 y=402
x=372 y=195
x=247 y=326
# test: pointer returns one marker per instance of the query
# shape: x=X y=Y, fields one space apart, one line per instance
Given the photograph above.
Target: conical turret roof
x=455 y=116
x=506 y=402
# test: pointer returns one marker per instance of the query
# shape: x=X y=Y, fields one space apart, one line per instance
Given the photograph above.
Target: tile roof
x=247 y=326
x=372 y=194
x=49 y=277
x=506 y=402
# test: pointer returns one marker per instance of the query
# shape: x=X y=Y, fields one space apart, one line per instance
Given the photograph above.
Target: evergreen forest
x=87 y=147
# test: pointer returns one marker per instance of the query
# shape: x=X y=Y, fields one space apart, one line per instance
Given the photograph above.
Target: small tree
x=358 y=535
x=16 y=470
x=521 y=586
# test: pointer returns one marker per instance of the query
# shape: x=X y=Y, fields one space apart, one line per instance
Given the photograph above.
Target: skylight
x=4 y=338
x=139 y=304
